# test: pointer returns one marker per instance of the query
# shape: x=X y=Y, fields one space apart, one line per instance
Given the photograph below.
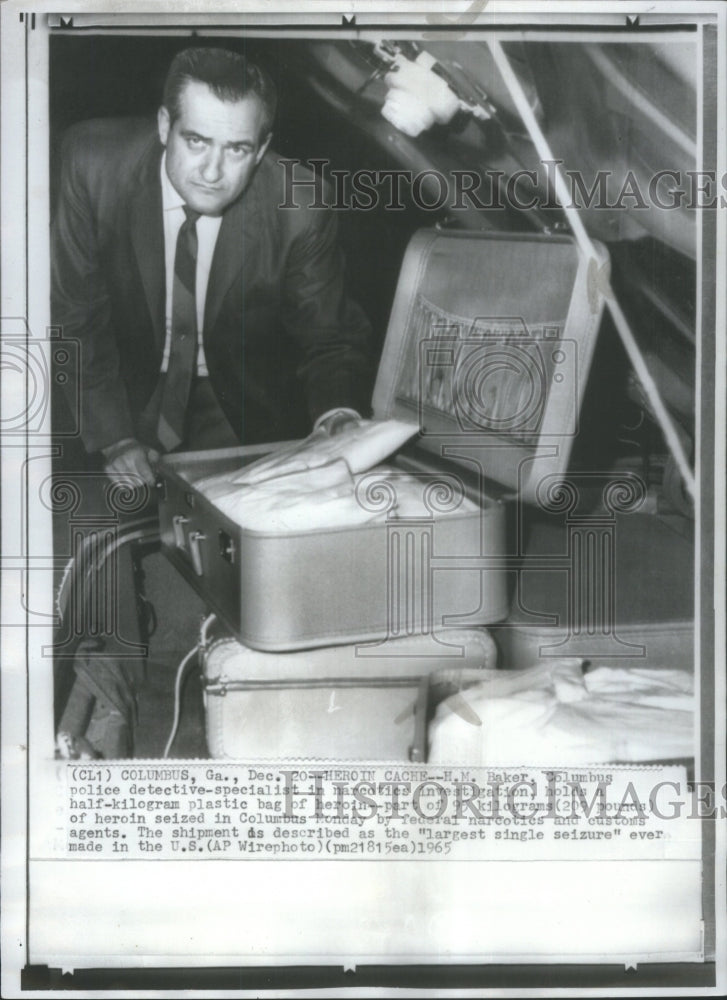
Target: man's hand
x=337 y=420
x=130 y=460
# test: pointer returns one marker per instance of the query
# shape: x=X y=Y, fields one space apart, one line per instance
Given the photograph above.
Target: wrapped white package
x=361 y=444
x=313 y=483
x=323 y=497
x=553 y=714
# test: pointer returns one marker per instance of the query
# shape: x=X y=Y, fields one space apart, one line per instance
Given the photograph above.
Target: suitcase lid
x=488 y=349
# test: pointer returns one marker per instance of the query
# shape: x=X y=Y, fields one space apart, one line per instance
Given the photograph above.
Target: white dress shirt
x=208 y=228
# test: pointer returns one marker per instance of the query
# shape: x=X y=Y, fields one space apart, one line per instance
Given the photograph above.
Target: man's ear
x=163 y=124
x=263 y=149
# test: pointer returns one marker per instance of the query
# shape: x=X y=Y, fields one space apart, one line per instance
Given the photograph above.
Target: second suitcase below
x=338 y=702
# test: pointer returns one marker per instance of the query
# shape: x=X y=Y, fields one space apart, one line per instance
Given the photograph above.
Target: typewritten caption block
x=372 y=812
x=263 y=811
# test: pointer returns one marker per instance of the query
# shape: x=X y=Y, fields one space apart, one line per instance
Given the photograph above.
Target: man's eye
x=239 y=151
x=194 y=142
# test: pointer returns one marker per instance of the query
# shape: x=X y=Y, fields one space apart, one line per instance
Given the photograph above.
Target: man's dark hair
x=229 y=75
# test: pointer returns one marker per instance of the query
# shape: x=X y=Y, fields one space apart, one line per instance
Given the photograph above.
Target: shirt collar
x=171 y=198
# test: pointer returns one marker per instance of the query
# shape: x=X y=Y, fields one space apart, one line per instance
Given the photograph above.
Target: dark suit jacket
x=276 y=317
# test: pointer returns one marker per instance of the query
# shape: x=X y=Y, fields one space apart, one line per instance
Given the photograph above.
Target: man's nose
x=212 y=166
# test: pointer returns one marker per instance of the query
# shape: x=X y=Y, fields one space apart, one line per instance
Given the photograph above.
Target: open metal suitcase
x=487 y=351
x=488 y=348
x=302 y=589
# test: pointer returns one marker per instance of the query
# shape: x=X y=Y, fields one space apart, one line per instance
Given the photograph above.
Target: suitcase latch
x=227 y=547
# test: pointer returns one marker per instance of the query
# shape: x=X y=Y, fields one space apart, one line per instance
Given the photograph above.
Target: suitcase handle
x=178 y=522
x=195 y=551
x=188 y=542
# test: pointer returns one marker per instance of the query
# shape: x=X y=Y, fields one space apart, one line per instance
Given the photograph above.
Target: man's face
x=213 y=147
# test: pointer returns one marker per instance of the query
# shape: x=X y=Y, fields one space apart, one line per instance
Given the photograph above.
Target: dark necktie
x=183 y=348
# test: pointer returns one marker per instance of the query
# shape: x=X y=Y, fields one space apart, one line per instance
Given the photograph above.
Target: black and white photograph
x=363 y=429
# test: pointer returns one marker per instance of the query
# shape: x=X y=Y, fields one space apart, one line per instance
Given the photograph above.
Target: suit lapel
x=237 y=247
x=147 y=237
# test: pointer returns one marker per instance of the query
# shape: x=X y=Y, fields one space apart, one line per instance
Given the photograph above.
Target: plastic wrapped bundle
x=556 y=714
x=319 y=482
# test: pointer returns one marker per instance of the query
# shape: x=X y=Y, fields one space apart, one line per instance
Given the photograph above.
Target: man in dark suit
x=206 y=315
x=273 y=325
